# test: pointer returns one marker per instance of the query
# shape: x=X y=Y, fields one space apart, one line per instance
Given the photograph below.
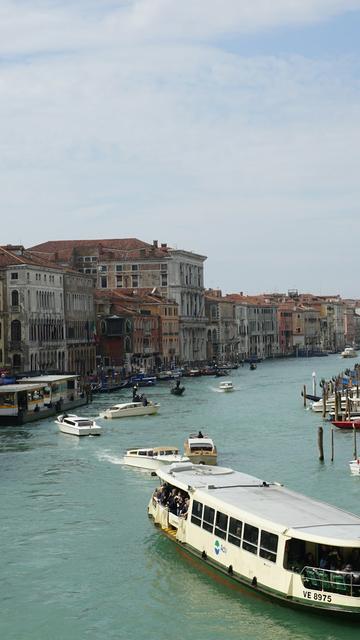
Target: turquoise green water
x=81 y=560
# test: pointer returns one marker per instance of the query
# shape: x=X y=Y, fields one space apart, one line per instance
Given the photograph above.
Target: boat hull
x=152 y=463
x=79 y=431
x=243 y=584
x=346 y=424
x=202 y=458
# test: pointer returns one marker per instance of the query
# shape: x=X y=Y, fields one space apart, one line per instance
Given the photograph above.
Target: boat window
x=196 y=514
x=251 y=536
x=208 y=521
x=268 y=545
x=235 y=529
x=221 y=525
x=143 y=453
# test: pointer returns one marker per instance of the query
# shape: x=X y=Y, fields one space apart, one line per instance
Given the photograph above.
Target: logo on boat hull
x=218 y=547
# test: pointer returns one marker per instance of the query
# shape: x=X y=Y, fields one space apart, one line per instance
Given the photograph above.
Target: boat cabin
x=18 y=399
x=58 y=388
x=155 y=451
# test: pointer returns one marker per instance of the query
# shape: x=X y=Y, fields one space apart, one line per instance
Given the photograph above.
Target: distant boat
x=200 y=449
x=355 y=467
x=129 y=409
x=226 y=386
x=177 y=391
x=349 y=352
x=353 y=423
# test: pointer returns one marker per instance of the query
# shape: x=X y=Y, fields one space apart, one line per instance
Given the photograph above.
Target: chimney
x=155 y=244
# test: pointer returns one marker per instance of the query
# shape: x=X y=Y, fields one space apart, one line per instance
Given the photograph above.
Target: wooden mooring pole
x=304 y=395
x=336 y=406
x=355 y=448
x=324 y=401
x=321 y=443
x=332 y=444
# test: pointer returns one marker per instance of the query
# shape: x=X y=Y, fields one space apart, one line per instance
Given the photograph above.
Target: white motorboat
x=226 y=386
x=354 y=404
x=349 y=352
x=153 y=457
x=129 y=409
x=355 y=467
x=77 y=426
x=200 y=449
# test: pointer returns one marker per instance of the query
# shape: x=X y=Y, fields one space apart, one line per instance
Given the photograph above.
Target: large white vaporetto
x=295 y=549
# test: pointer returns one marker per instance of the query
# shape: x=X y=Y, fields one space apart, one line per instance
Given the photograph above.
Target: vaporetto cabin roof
x=266 y=504
x=16 y=388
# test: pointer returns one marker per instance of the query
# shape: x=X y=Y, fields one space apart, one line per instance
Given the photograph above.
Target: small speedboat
x=353 y=423
x=77 y=426
x=355 y=467
x=200 y=449
x=226 y=386
x=153 y=457
x=129 y=409
x=349 y=352
x=253 y=366
x=177 y=391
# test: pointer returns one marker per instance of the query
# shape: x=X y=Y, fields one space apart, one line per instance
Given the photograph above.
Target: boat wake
x=105 y=456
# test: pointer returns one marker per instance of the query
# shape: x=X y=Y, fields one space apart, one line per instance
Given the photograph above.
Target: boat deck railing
x=345 y=583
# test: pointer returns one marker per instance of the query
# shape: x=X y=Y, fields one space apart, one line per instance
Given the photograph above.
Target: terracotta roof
x=131 y=296
x=15 y=256
x=123 y=249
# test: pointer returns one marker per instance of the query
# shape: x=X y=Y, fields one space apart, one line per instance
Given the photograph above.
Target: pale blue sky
x=228 y=128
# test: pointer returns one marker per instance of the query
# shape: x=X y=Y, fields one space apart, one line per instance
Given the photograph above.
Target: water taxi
x=226 y=386
x=77 y=426
x=200 y=449
x=153 y=457
x=129 y=409
x=295 y=549
x=349 y=352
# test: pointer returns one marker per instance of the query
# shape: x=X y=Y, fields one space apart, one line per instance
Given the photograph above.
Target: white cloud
x=37 y=26
x=143 y=136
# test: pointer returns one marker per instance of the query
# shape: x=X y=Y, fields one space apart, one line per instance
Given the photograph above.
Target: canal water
x=81 y=560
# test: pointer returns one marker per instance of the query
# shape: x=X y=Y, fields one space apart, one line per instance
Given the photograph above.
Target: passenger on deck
x=200 y=435
x=309 y=560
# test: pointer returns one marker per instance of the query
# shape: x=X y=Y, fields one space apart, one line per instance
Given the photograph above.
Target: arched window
x=16 y=331
x=14 y=298
x=127 y=345
x=17 y=361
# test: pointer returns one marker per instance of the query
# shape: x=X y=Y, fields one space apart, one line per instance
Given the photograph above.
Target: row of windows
x=234 y=531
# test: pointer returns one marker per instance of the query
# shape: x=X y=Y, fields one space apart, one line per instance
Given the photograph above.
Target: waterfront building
x=222 y=342
x=285 y=324
x=33 y=314
x=114 y=333
x=140 y=329
x=2 y=321
x=131 y=263
x=263 y=328
x=79 y=322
